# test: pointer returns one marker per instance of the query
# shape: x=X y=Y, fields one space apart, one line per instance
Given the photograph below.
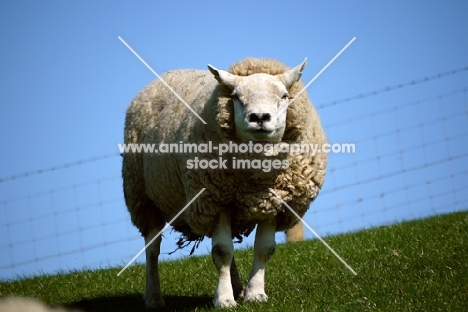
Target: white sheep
x=20 y=304
x=255 y=100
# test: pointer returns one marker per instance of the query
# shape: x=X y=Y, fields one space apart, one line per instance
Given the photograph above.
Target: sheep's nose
x=259 y=117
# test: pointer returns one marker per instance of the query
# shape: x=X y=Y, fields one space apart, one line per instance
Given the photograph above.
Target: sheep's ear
x=293 y=75
x=224 y=77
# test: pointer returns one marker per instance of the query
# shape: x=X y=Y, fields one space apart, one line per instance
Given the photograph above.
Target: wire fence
x=411 y=161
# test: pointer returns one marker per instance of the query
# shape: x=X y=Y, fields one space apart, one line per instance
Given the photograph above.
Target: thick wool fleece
x=157 y=186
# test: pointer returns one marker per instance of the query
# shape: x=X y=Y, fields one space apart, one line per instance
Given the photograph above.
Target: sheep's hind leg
x=152 y=295
x=264 y=247
x=222 y=253
x=236 y=282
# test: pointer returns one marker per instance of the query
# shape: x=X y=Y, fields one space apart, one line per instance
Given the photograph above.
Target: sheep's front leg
x=152 y=295
x=264 y=247
x=222 y=253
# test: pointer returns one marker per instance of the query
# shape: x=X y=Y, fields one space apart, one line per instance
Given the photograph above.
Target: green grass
x=411 y=266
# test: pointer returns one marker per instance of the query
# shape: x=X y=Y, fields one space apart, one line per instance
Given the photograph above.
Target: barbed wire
x=61 y=189
x=57 y=167
x=393 y=87
x=392 y=109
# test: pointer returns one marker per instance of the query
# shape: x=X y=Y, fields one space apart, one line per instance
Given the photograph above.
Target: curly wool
x=300 y=183
x=151 y=200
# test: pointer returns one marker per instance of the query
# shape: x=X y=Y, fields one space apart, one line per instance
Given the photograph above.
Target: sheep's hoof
x=261 y=297
x=226 y=303
x=154 y=303
x=239 y=293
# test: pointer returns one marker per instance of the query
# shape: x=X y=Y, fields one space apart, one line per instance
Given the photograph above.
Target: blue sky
x=66 y=81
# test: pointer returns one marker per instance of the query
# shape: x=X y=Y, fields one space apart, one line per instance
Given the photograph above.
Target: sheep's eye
x=285 y=96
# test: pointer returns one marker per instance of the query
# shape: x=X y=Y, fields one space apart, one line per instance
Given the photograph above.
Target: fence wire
x=411 y=161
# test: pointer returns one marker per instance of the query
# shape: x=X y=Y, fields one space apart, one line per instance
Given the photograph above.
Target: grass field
x=412 y=266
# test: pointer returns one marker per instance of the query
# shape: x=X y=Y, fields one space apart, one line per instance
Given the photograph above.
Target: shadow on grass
x=135 y=303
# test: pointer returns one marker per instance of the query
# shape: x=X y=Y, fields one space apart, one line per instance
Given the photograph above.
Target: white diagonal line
x=316 y=76
x=160 y=232
x=315 y=233
x=162 y=80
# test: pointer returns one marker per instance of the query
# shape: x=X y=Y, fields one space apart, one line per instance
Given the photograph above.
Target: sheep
x=20 y=304
x=255 y=100
x=295 y=234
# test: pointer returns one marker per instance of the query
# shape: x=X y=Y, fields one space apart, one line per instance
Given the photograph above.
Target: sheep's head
x=260 y=102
